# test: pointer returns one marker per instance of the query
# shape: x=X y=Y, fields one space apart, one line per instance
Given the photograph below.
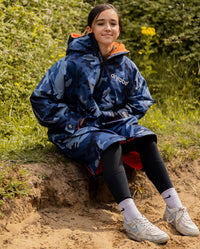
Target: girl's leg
x=136 y=225
x=114 y=172
x=116 y=180
x=155 y=169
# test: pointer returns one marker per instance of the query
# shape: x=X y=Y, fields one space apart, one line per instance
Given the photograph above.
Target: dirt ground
x=67 y=209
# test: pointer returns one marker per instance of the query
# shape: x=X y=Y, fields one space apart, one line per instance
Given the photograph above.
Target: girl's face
x=105 y=28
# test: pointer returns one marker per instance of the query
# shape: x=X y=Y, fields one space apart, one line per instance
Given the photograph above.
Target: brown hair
x=96 y=11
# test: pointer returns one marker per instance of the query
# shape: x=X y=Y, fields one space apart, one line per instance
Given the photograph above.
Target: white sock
x=171 y=198
x=129 y=209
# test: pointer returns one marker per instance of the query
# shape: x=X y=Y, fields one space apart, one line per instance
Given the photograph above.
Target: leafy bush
x=177 y=26
x=28 y=30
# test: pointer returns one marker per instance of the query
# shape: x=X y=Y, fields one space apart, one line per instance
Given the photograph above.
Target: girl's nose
x=108 y=27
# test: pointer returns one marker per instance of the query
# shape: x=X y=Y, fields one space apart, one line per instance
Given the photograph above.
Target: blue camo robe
x=110 y=95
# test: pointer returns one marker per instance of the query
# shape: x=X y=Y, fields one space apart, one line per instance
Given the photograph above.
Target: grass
x=177 y=129
x=13 y=182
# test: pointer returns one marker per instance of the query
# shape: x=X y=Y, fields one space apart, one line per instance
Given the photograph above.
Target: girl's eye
x=102 y=23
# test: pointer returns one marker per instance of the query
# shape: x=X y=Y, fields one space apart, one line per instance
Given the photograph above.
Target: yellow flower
x=193 y=72
x=52 y=56
x=17 y=84
x=148 y=31
x=140 y=52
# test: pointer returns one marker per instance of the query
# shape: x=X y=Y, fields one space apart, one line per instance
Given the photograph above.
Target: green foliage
x=174 y=79
x=146 y=63
x=28 y=30
x=177 y=25
x=13 y=182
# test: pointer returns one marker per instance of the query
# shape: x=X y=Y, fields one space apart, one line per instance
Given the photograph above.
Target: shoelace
x=183 y=214
x=177 y=215
x=147 y=224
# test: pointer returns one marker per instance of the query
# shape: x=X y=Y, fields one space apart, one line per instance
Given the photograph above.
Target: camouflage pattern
x=110 y=95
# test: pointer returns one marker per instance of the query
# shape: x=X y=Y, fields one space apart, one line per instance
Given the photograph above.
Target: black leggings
x=152 y=162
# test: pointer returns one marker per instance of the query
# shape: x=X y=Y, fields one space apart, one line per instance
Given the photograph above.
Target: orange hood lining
x=119 y=47
x=74 y=35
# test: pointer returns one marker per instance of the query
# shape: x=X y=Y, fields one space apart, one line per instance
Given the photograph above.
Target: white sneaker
x=181 y=220
x=141 y=229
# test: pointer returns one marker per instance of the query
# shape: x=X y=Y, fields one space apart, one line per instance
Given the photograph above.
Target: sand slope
x=66 y=211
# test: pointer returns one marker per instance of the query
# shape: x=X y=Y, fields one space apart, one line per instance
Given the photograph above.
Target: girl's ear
x=89 y=30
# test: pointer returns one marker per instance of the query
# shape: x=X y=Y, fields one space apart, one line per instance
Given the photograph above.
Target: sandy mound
x=68 y=209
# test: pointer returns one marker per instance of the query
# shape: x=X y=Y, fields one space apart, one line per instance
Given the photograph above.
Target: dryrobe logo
x=114 y=76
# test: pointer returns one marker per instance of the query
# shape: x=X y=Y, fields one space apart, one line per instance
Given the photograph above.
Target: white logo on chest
x=114 y=76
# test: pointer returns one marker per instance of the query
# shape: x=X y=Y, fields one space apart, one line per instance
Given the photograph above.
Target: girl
x=91 y=101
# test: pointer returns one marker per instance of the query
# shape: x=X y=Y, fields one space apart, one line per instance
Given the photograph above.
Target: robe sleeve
x=47 y=101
